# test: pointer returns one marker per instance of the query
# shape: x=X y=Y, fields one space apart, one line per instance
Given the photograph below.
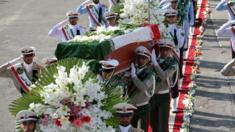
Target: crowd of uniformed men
x=151 y=85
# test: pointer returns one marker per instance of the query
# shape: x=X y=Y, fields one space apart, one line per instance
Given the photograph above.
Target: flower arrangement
x=73 y=100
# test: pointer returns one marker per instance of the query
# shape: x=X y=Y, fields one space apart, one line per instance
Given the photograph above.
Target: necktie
x=78 y=32
x=100 y=15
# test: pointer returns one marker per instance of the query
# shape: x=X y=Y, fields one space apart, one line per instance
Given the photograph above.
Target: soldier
x=227 y=5
x=178 y=37
x=229 y=69
x=95 y=11
x=188 y=19
x=67 y=29
x=27 y=120
x=124 y=113
x=166 y=4
x=23 y=73
x=165 y=67
x=112 y=19
x=228 y=30
x=142 y=89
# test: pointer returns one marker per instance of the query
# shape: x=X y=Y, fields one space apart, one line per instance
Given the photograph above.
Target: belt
x=164 y=91
x=141 y=104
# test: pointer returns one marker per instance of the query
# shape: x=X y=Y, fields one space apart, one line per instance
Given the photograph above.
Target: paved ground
x=215 y=97
x=26 y=23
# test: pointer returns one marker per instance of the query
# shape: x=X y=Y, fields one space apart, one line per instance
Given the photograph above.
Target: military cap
x=72 y=14
x=26 y=115
x=109 y=64
x=28 y=50
x=124 y=108
x=141 y=50
x=110 y=15
x=171 y=12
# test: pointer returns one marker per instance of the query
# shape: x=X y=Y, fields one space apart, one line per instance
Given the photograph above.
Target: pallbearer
x=67 y=29
x=165 y=66
x=143 y=79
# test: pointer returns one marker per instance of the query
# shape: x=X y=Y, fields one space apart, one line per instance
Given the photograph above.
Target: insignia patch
x=20 y=70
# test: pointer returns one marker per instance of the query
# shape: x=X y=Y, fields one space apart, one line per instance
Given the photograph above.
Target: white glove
x=133 y=70
x=15 y=60
x=154 y=57
x=87 y=2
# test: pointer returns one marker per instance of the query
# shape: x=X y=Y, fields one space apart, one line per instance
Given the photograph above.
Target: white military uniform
x=227 y=30
x=175 y=31
x=21 y=73
x=223 y=5
x=64 y=31
x=95 y=14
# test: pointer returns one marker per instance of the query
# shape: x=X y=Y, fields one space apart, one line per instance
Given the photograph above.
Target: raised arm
x=228 y=69
x=56 y=30
x=82 y=8
x=4 y=68
x=225 y=29
x=221 y=6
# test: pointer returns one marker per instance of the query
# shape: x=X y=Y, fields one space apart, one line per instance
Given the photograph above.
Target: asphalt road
x=215 y=96
x=26 y=23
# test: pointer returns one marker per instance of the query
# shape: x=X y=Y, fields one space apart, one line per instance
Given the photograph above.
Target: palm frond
x=45 y=78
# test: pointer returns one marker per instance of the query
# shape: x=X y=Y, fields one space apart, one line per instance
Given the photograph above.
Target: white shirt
x=179 y=34
x=28 y=68
x=124 y=129
x=226 y=31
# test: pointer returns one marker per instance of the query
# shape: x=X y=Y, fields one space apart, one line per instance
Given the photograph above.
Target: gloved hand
x=154 y=57
x=133 y=70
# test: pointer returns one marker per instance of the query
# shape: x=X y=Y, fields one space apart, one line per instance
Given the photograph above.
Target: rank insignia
x=20 y=70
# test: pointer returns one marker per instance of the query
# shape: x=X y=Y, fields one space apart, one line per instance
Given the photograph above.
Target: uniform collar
x=125 y=129
x=28 y=67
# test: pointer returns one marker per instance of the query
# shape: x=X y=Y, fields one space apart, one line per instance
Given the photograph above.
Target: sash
x=232 y=10
x=115 y=1
x=21 y=76
x=166 y=64
x=68 y=32
x=94 y=14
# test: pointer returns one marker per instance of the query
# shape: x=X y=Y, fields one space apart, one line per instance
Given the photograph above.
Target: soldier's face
x=174 y=4
x=28 y=59
x=125 y=120
x=28 y=126
x=96 y=1
x=142 y=60
x=112 y=22
x=107 y=74
x=73 y=21
x=171 y=19
x=166 y=52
